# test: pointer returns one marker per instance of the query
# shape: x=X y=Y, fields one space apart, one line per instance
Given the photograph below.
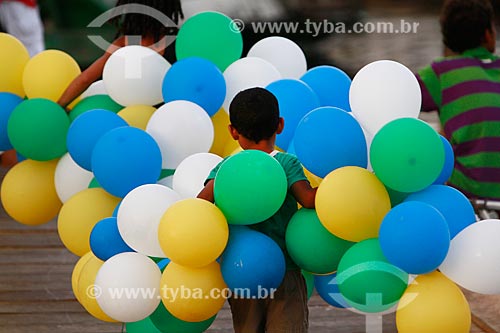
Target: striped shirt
x=466 y=92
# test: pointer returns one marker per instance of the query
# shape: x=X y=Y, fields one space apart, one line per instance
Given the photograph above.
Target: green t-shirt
x=275 y=226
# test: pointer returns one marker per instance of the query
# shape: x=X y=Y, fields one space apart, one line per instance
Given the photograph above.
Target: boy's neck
x=266 y=146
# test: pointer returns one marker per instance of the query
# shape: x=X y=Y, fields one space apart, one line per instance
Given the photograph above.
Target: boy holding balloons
x=255 y=123
x=465 y=89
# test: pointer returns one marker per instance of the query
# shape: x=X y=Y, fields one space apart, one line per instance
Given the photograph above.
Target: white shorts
x=24 y=23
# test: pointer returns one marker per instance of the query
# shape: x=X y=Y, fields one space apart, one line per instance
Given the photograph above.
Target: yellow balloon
x=86 y=294
x=48 y=74
x=313 y=179
x=193 y=232
x=75 y=276
x=29 y=193
x=433 y=303
x=351 y=203
x=137 y=115
x=80 y=214
x=193 y=294
x=222 y=137
x=232 y=148
x=13 y=59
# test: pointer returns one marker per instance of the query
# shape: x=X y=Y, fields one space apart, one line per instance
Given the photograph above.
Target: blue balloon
x=163 y=264
x=126 y=158
x=328 y=289
x=196 y=80
x=254 y=262
x=106 y=241
x=331 y=85
x=295 y=99
x=291 y=148
x=8 y=102
x=455 y=207
x=20 y=157
x=86 y=130
x=115 y=212
x=330 y=138
x=449 y=162
x=414 y=236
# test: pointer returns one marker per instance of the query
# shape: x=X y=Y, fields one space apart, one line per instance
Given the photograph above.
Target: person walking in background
x=151 y=31
x=465 y=89
x=21 y=19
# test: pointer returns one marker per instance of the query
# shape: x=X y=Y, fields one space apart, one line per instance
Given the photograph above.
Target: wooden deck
x=36 y=296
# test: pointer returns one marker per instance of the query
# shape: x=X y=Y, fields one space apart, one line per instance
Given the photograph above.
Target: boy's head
x=468 y=24
x=254 y=114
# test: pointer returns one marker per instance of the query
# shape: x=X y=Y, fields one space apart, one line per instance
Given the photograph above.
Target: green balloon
x=309 y=283
x=311 y=246
x=38 y=128
x=396 y=197
x=166 y=173
x=143 y=326
x=367 y=280
x=407 y=155
x=212 y=36
x=165 y=322
x=250 y=187
x=103 y=102
x=94 y=183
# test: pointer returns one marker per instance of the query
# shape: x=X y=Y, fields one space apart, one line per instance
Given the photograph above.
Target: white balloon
x=284 y=54
x=382 y=92
x=133 y=75
x=181 y=129
x=70 y=178
x=473 y=260
x=139 y=216
x=96 y=88
x=127 y=287
x=248 y=73
x=190 y=176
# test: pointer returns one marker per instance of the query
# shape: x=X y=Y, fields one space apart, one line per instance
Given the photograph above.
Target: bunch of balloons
x=122 y=175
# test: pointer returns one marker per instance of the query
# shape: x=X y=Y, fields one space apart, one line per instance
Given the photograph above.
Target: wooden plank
x=29 y=240
x=486 y=310
x=55 y=323
x=52 y=256
x=37 y=296
x=7 y=223
x=35 y=283
x=13 y=271
x=48 y=307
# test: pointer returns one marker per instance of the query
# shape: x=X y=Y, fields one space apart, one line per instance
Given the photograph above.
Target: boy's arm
x=208 y=192
x=430 y=89
x=304 y=194
x=88 y=76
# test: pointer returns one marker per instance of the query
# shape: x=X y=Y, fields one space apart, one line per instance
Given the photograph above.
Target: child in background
x=255 y=122
x=21 y=19
x=465 y=89
x=152 y=34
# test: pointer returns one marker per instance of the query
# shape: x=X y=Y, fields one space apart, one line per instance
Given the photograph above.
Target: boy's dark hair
x=254 y=113
x=464 y=23
x=144 y=24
